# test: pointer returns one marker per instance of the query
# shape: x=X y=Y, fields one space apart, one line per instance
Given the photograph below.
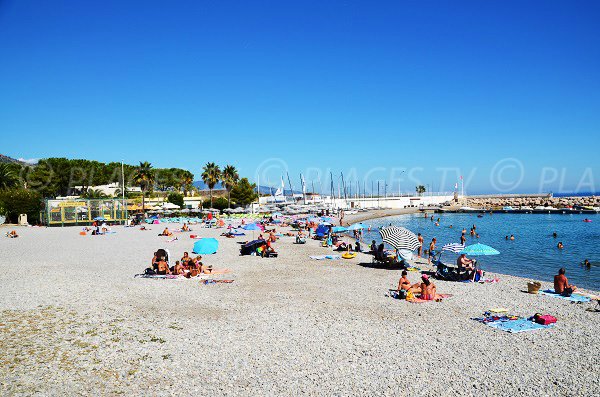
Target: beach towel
x=516 y=326
x=213 y=281
x=322 y=257
x=160 y=276
x=573 y=298
x=218 y=271
x=419 y=300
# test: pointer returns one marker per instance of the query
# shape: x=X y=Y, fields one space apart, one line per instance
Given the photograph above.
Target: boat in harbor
x=507 y=208
x=470 y=209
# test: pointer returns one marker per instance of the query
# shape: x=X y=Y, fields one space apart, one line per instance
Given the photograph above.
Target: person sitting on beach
x=357 y=246
x=404 y=283
x=272 y=237
x=428 y=289
x=561 y=283
x=162 y=267
x=166 y=232
x=560 y=245
x=373 y=247
x=300 y=237
x=185 y=228
x=464 y=262
x=186 y=259
x=178 y=268
x=12 y=234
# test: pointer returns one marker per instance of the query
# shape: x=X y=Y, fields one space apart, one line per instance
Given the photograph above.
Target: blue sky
x=505 y=93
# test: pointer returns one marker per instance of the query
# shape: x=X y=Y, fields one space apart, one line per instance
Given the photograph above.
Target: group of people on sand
x=12 y=234
x=425 y=289
x=187 y=266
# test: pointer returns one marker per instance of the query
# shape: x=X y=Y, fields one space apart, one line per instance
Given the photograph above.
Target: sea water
x=532 y=254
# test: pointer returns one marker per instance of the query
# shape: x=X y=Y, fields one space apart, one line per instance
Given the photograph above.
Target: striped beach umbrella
x=453 y=247
x=399 y=238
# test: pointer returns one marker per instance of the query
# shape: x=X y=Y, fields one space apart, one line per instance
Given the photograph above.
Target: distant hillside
x=6 y=159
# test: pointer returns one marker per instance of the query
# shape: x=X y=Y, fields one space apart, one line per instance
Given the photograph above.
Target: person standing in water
x=420 y=251
x=431 y=250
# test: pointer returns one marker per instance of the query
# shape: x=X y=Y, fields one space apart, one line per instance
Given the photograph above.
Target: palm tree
x=187 y=182
x=230 y=179
x=420 y=190
x=8 y=178
x=91 y=194
x=211 y=175
x=144 y=178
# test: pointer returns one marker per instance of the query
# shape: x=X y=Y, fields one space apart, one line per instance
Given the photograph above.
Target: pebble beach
x=74 y=320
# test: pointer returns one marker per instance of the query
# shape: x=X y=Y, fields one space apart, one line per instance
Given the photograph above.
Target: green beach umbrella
x=479 y=249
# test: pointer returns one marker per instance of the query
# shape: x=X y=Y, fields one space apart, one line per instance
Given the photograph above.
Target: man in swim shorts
x=561 y=283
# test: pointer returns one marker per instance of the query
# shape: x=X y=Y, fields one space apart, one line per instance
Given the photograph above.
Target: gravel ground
x=73 y=320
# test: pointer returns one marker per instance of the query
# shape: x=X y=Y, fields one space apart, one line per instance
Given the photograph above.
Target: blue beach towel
x=572 y=298
x=516 y=326
x=322 y=257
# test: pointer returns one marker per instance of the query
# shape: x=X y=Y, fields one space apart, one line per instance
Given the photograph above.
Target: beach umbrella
x=99 y=218
x=357 y=226
x=399 y=238
x=206 y=246
x=253 y=227
x=479 y=249
x=338 y=229
x=453 y=247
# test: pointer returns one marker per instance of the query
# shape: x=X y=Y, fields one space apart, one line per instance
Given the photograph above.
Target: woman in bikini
x=428 y=290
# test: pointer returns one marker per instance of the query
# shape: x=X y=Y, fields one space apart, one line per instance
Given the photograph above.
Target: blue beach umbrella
x=99 y=218
x=479 y=249
x=338 y=229
x=206 y=246
x=251 y=226
x=357 y=226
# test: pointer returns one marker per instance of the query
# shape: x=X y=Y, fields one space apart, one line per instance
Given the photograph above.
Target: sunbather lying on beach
x=12 y=234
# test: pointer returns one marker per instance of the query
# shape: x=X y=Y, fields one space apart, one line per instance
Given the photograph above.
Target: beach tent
x=206 y=246
x=251 y=246
x=322 y=230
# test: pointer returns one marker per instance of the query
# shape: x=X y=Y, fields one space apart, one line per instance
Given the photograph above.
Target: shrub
x=175 y=198
x=21 y=201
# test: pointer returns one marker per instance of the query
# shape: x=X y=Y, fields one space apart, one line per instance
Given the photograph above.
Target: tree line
x=53 y=177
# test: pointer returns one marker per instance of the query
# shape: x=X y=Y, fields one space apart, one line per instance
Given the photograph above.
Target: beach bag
x=545 y=319
x=533 y=287
x=402 y=294
x=410 y=296
x=149 y=271
x=478 y=275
